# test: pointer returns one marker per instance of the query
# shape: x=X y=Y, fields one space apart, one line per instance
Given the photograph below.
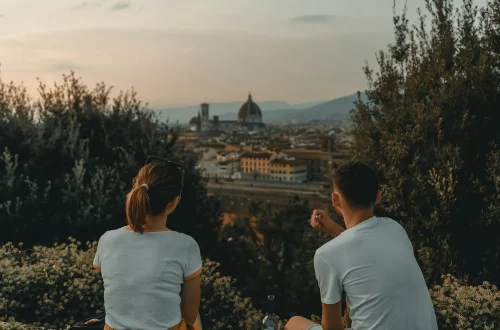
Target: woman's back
x=143 y=274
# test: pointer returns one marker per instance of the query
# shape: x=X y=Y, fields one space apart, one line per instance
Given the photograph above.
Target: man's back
x=374 y=263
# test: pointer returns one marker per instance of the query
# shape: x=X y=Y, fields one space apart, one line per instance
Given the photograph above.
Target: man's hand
x=322 y=221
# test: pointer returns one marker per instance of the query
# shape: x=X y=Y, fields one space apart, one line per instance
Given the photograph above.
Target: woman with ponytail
x=151 y=274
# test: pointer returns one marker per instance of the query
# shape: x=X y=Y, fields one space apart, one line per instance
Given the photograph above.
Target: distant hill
x=183 y=115
x=336 y=109
x=272 y=112
x=269 y=116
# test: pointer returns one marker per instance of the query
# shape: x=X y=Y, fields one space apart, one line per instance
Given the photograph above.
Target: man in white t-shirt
x=372 y=261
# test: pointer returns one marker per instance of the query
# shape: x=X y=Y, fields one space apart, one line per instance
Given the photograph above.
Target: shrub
x=56 y=286
x=460 y=306
x=222 y=306
x=49 y=284
x=428 y=127
x=67 y=161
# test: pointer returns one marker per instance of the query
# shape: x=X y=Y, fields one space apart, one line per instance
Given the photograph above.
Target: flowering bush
x=53 y=287
x=222 y=307
x=49 y=284
x=459 y=306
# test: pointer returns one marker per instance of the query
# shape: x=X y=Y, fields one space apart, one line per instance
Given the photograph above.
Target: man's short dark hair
x=358 y=183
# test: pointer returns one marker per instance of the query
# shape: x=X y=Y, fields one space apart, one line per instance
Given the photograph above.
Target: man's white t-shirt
x=142 y=276
x=374 y=263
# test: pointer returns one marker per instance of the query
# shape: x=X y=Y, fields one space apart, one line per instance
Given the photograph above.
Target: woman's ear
x=173 y=204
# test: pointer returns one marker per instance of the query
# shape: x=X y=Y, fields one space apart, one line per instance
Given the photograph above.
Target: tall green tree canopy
x=67 y=160
x=430 y=126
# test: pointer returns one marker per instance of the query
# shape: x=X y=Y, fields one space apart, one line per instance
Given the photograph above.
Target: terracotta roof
x=256 y=155
x=289 y=161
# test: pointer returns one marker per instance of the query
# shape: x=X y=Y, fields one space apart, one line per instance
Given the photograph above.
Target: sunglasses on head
x=154 y=159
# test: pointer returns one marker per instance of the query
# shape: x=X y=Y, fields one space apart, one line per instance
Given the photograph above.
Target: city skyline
x=179 y=53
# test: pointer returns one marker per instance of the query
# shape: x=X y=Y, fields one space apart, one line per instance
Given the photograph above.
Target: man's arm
x=322 y=221
x=332 y=317
x=335 y=229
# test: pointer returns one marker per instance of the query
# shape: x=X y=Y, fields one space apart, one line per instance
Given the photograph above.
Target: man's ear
x=335 y=199
x=379 y=197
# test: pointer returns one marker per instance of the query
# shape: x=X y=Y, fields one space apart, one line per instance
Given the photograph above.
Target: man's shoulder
x=393 y=224
x=348 y=237
x=336 y=244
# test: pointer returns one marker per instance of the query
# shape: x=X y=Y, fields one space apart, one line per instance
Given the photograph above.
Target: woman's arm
x=191 y=296
x=347 y=314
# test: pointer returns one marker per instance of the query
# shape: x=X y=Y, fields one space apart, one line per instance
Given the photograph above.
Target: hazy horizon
x=179 y=53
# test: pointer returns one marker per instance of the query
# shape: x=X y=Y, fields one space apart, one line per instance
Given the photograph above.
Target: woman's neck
x=154 y=223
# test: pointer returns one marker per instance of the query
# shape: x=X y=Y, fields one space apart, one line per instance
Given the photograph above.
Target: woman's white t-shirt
x=143 y=274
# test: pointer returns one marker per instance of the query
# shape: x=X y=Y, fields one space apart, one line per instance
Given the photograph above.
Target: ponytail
x=138 y=208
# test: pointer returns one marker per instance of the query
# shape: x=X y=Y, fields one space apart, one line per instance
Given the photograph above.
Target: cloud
x=88 y=4
x=313 y=19
x=120 y=5
x=172 y=66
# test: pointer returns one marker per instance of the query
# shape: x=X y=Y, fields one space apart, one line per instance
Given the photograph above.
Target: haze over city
x=177 y=53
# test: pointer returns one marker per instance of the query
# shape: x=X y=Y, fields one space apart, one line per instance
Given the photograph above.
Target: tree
x=272 y=253
x=430 y=128
x=67 y=161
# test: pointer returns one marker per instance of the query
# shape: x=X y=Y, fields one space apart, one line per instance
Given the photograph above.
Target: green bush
x=272 y=253
x=429 y=127
x=56 y=286
x=222 y=306
x=67 y=161
x=460 y=306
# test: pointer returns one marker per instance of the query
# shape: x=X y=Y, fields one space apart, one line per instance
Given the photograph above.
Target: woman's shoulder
x=109 y=234
x=183 y=237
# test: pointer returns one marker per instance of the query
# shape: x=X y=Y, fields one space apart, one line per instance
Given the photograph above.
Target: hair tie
x=145 y=185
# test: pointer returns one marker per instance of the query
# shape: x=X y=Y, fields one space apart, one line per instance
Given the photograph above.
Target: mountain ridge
x=337 y=109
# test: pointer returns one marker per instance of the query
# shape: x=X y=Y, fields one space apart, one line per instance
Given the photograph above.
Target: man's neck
x=357 y=217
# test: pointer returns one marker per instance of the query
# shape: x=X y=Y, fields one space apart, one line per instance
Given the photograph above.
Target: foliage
x=429 y=127
x=222 y=306
x=54 y=286
x=49 y=284
x=460 y=306
x=67 y=161
x=272 y=253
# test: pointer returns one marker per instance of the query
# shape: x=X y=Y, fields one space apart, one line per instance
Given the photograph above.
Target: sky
x=184 y=52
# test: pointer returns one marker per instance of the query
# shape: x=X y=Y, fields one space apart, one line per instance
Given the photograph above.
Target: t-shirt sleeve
x=193 y=265
x=97 y=258
x=406 y=240
x=330 y=286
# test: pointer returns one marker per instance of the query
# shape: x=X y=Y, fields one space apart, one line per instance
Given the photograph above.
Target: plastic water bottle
x=270 y=322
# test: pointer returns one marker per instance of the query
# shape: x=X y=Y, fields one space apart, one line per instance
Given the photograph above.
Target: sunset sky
x=183 y=52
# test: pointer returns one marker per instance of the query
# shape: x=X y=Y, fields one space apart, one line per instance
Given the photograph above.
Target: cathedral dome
x=194 y=121
x=249 y=109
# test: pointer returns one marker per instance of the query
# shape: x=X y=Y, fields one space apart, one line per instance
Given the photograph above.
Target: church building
x=249 y=119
